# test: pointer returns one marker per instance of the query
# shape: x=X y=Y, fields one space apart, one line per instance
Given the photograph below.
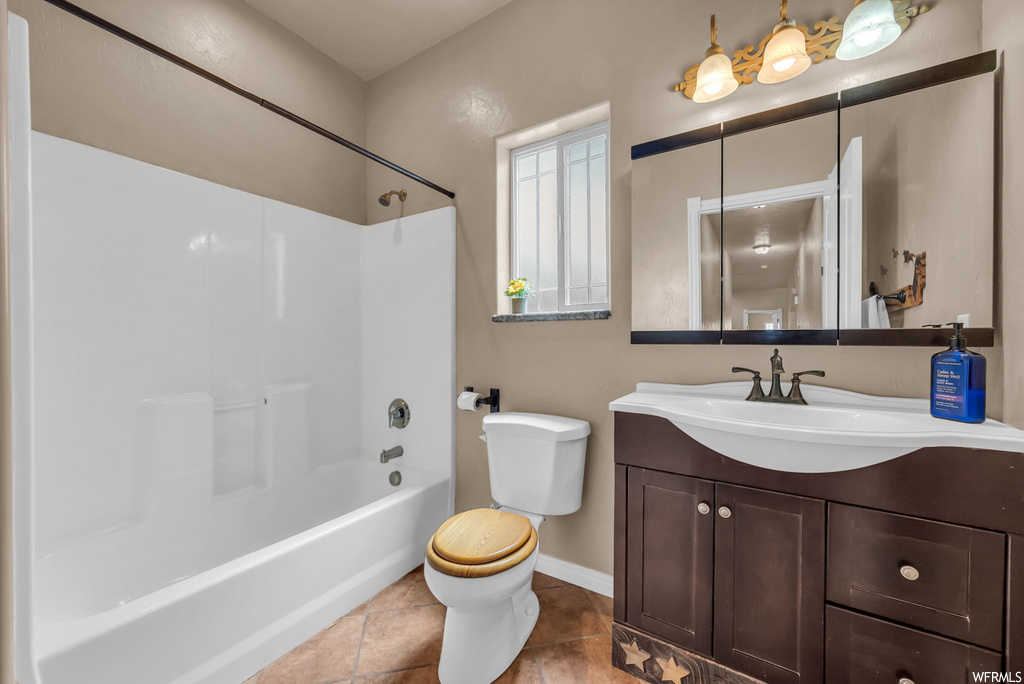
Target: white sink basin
x=838 y=430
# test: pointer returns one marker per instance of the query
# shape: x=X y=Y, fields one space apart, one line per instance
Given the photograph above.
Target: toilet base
x=480 y=644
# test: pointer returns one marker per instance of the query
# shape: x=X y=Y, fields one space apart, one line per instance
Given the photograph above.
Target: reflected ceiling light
x=762 y=244
x=785 y=56
x=715 y=77
x=870 y=27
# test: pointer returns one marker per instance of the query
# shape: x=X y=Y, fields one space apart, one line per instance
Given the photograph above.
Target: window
x=560 y=219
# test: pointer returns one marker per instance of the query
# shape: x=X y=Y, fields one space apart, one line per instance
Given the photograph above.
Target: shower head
x=385 y=199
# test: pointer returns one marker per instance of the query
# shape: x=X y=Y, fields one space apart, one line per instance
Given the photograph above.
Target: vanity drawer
x=866 y=650
x=943 y=578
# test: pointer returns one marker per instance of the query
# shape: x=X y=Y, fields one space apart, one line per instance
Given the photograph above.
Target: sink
x=838 y=431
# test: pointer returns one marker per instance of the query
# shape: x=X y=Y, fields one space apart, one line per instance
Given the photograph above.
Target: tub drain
x=395 y=478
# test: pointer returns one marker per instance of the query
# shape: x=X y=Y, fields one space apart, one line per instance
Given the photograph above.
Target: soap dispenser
x=958 y=381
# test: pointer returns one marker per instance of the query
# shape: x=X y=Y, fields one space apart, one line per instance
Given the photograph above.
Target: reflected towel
x=873 y=313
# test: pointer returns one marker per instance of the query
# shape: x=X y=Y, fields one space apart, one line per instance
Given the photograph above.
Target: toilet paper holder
x=491 y=400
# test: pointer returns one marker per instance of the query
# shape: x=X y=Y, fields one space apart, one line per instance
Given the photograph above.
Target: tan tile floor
x=395 y=638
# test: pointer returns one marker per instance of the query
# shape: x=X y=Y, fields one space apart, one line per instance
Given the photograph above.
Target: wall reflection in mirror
x=921 y=208
x=677 y=255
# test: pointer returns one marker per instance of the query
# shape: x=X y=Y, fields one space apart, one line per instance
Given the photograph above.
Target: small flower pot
x=518 y=305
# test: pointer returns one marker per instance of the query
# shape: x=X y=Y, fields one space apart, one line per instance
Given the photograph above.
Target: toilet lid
x=480 y=536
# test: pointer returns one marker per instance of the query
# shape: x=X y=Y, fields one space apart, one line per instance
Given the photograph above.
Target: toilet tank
x=536 y=461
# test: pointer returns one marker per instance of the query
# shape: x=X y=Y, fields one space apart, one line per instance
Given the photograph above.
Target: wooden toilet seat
x=480 y=543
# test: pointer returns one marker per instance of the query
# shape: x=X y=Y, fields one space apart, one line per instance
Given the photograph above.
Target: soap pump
x=958 y=381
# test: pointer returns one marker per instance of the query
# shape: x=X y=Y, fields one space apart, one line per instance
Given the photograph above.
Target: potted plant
x=518 y=290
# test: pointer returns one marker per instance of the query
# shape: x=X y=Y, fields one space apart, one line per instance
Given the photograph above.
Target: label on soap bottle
x=950 y=385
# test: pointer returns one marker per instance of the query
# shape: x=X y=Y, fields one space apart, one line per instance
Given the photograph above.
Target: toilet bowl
x=480 y=563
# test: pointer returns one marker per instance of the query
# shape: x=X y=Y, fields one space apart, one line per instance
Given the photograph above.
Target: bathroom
x=294 y=558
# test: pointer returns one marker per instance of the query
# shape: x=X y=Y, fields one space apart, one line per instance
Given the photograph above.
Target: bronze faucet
x=775 y=395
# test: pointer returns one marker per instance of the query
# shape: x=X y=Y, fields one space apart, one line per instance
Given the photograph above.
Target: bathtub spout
x=391 y=453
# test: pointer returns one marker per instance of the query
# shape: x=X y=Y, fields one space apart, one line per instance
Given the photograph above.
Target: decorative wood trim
x=914 y=337
x=657 y=662
x=781 y=337
x=975 y=65
x=619 y=604
x=675 y=337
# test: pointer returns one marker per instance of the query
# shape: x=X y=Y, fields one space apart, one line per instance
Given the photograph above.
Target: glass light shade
x=715 y=79
x=785 y=56
x=762 y=249
x=870 y=27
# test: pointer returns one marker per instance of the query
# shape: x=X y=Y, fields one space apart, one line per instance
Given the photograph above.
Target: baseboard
x=597 y=582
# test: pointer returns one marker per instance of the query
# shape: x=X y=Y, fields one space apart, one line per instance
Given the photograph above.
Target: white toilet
x=480 y=563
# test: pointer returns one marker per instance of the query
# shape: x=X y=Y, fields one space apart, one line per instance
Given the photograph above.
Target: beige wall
x=94 y=88
x=6 y=528
x=535 y=60
x=926 y=175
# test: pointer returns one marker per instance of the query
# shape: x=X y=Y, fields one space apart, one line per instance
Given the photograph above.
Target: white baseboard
x=597 y=582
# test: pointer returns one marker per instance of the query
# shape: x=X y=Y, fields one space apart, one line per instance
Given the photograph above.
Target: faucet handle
x=796 y=376
x=755 y=391
x=795 y=394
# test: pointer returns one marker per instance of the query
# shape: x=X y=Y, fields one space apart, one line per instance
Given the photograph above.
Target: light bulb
x=713 y=88
x=865 y=38
x=870 y=27
x=784 y=64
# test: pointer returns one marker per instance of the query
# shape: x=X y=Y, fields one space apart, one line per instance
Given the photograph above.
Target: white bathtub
x=224 y=624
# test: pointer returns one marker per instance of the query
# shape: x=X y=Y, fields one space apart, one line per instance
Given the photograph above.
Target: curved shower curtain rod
x=266 y=104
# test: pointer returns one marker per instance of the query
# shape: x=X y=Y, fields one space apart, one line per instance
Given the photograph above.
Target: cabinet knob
x=909 y=572
x=725 y=512
x=905 y=680
x=703 y=508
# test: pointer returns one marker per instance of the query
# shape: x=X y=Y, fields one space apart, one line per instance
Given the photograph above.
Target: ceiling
x=369 y=38
x=784 y=223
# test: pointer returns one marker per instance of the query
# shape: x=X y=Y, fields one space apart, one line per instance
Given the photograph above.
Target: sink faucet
x=775 y=395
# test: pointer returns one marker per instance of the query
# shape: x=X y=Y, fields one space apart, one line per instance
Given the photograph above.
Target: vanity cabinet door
x=769 y=584
x=670 y=546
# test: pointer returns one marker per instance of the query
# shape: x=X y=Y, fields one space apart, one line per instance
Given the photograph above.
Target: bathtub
x=224 y=624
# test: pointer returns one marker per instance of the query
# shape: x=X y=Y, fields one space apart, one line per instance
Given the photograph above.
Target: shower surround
x=199 y=431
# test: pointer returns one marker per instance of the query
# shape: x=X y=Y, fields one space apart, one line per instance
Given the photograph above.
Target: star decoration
x=634 y=656
x=670 y=672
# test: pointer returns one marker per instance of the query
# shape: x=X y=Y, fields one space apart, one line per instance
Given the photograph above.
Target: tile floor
x=395 y=637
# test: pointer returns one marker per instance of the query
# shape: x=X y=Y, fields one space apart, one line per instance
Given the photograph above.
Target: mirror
x=677 y=254
x=918 y=168
x=780 y=227
x=864 y=217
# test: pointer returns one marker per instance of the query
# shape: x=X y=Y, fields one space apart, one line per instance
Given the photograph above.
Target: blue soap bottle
x=958 y=381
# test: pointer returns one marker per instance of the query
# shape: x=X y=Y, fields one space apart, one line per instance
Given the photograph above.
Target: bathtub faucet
x=391 y=453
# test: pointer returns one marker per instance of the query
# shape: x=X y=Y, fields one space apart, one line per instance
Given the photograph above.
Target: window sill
x=598 y=315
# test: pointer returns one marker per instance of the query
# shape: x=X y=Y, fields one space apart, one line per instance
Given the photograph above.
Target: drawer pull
x=703 y=508
x=909 y=572
x=725 y=512
x=905 y=680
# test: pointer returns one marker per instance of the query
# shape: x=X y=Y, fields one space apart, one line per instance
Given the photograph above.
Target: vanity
x=850 y=541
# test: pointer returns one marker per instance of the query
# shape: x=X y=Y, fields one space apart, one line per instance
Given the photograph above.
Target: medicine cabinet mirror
x=862 y=218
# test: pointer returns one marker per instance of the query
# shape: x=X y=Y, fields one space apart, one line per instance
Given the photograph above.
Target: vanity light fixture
x=785 y=56
x=715 y=77
x=791 y=48
x=873 y=25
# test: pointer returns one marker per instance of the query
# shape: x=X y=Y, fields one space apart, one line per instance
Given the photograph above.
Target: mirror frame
x=976 y=65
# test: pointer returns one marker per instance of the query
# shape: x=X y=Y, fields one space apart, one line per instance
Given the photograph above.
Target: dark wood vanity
x=910 y=571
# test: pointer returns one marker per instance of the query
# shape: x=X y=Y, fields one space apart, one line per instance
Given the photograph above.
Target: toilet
x=480 y=563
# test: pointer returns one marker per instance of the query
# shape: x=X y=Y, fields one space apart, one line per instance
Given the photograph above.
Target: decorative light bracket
x=821 y=45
